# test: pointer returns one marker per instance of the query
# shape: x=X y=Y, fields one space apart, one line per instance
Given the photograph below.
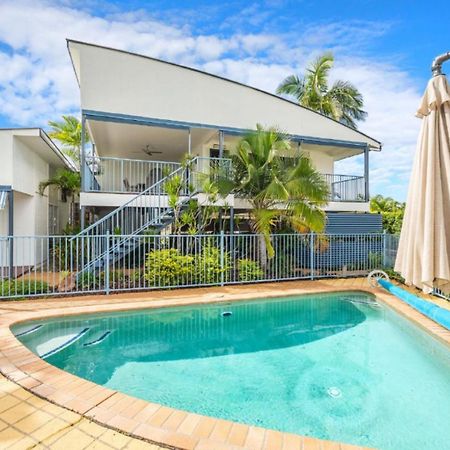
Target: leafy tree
x=342 y=101
x=278 y=188
x=68 y=183
x=391 y=211
x=68 y=132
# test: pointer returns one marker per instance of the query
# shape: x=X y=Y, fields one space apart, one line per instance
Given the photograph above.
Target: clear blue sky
x=384 y=47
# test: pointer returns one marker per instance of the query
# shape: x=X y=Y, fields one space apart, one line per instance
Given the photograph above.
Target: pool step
x=99 y=337
x=58 y=343
x=23 y=331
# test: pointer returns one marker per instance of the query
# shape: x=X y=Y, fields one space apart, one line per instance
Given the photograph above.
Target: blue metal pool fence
x=62 y=265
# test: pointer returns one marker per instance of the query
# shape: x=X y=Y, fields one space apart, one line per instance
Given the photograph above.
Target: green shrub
x=23 y=287
x=249 y=270
x=118 y=279
x=208 y=268
x=393 y=275
x=375 y=260
x=168 y=267
x=89 y=280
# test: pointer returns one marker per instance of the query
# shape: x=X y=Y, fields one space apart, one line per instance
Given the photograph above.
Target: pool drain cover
x=334 y=392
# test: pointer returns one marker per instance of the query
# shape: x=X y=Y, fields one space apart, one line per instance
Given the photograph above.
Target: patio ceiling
x=124 y=140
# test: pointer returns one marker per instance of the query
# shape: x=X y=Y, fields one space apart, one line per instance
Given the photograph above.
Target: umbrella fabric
x=423 y=257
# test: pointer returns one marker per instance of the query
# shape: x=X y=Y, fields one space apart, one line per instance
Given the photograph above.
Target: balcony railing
x=346 y=188
x=119 y=175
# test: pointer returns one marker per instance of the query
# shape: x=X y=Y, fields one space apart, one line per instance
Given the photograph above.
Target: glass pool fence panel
x=62 y=265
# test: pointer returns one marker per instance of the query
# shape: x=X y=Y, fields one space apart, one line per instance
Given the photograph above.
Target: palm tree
x=342 y=102
x=68 y=132
x=68 y=183
x=379 y=204
x=391 y=211
x=277 y=188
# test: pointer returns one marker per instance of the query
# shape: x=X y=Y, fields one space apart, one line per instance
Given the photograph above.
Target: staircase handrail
x=147 y=191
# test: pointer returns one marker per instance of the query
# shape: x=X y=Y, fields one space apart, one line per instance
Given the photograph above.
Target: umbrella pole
x=436 y=66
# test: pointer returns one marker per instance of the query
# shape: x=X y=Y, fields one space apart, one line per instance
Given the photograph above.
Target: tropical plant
x=168 y=267
x=69 y=133
x=191 y=216
x=278 y=188
x=210 y=266
x=68 y=183
x=249 y=270
x=23 y=288
x=89 y=280
x=391 y=211
x=342 y=101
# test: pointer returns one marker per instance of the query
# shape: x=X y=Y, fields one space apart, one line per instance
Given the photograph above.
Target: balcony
x=346 y=188
x=124 y=176
x=132 y=176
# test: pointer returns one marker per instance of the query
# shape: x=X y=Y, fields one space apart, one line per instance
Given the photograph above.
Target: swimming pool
x=334 y=366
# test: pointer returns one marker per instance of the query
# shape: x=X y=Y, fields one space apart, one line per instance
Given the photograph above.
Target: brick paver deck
x=42 y=406
x=28 y=422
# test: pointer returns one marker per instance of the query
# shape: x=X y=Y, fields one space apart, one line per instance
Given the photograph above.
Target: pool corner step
x=28 y=331
x=97 y=340
x=71 y=339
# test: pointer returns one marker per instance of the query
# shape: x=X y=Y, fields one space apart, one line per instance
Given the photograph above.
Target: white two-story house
x=143 y=115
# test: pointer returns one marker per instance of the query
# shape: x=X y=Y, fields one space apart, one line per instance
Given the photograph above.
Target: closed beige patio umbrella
x=423 y=257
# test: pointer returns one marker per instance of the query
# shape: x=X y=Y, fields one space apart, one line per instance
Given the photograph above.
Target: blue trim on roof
x=166 y=123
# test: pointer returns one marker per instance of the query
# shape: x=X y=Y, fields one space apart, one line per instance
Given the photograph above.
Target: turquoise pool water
x=335 y=366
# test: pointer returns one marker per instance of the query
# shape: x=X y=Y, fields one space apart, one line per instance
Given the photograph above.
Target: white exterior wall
x=6 y=172
x=122 y=83
x=323 y=162
x=23 y=168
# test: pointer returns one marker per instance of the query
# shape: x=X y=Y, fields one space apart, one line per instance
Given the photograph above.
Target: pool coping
x=158 y=424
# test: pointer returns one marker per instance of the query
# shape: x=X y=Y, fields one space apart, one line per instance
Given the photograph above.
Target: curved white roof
x=126 y=86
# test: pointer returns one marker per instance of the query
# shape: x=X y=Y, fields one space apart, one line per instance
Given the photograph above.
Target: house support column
x=231 y=220
x=189 y=142
x=83 y=171
x=11 y=232
x=366 y=173
x=83 y=166
x=221 y=145
x=82 y=217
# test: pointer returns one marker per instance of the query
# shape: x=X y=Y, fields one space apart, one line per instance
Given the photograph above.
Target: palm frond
x=292 y=86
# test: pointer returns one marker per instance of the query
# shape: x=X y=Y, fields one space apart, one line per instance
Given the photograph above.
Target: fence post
x=107 y=263
x=384 y=249
x=222 y=258
x=311 y=254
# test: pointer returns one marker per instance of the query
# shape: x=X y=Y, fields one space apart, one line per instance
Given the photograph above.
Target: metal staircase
x=149 y=209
